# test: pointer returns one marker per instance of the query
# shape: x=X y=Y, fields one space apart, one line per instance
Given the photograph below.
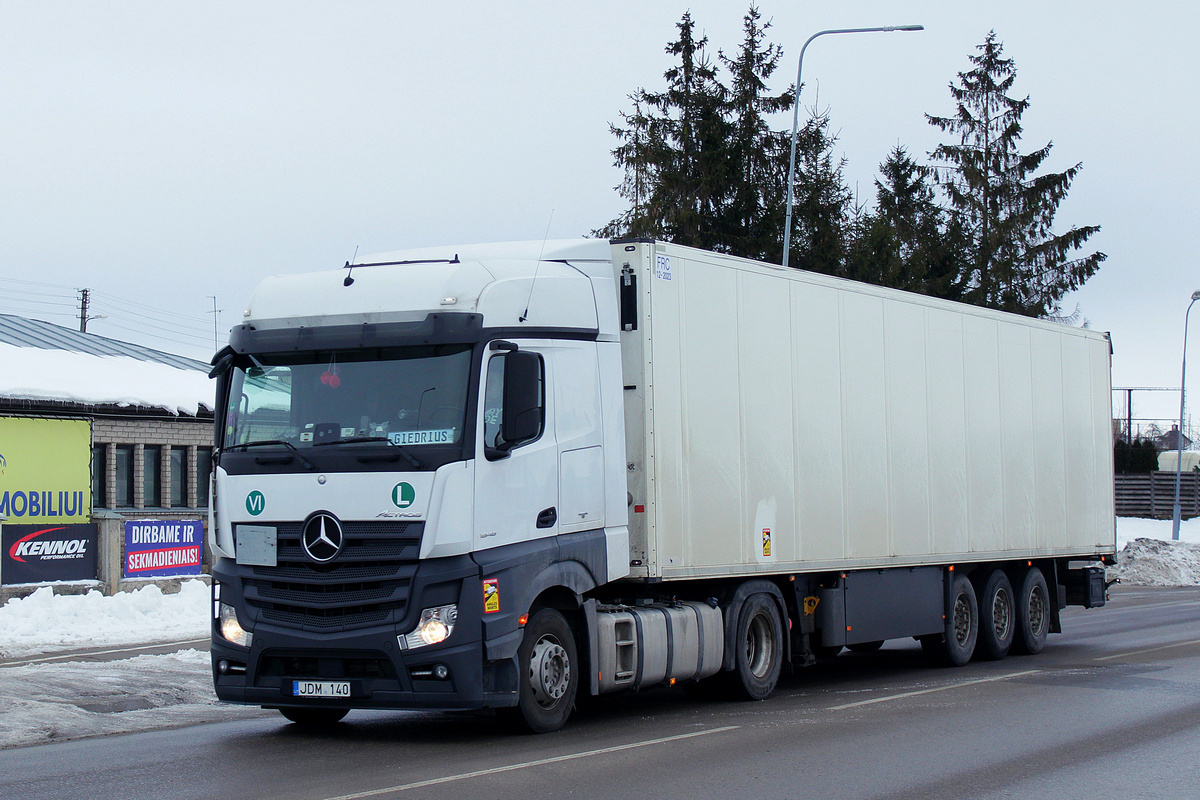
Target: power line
x=163 y=318
x=153 y=327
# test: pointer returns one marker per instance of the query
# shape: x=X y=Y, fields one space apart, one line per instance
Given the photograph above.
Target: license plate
x=321 y=688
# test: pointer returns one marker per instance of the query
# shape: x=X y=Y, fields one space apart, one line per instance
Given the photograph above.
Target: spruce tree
x=821 y=205
x=757 y=154
x=1003 y=207
x=672 y=148
x=909 y=242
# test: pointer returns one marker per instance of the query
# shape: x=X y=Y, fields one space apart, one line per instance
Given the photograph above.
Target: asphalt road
x=1111 y=709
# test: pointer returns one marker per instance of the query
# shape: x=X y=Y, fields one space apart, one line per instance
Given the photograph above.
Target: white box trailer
x=502 y=475
x=783 y=421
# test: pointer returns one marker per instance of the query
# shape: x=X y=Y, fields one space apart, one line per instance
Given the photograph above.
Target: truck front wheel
x=758 y=648
x=549 y=670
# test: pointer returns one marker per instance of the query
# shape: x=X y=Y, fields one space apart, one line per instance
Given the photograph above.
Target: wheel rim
x=1001 y=614
x=760 y=646
x=962 y=620
x=1037 y=611
x=549 y=671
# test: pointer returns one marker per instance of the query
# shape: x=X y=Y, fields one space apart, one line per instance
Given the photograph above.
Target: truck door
x=516 y=479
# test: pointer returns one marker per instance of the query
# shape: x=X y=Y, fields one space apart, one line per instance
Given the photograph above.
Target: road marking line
x=76 y=656
x=902 y=695
x=540 y=762
x=1148 y=650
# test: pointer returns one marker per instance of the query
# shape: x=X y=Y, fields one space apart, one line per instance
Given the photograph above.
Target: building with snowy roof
x=93 y=427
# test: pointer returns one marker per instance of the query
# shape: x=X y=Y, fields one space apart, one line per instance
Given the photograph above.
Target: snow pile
x=36 y=374
x=1154 y=562
x=45 y=622
x=1148 y=557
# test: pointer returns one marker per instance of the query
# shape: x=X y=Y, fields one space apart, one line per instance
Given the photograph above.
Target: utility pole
x=83 y=309
x=215 y=311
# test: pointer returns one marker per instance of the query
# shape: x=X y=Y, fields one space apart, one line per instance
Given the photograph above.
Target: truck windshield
x=408 y=396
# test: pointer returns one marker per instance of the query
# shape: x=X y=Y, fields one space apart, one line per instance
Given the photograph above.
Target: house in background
x=1170 y=440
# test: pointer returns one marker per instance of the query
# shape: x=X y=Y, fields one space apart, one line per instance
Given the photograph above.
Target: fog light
x=434 y=627
x=441 y=672
x=222 y=666
x=231 y=629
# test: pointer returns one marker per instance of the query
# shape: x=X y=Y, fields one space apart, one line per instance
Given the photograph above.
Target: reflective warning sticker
x=766 y=536
x=491 y=595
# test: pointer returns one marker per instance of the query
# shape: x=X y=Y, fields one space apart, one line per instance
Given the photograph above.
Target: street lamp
x=1176 y=512
x=787 y=225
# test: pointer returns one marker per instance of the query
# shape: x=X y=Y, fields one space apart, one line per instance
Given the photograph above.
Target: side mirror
x=522 y=397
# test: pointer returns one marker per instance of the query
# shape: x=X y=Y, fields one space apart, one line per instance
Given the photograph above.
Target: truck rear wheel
x=997 y=617
x=956 y=645
x=758 y=648
x=1033 y=613
x=549 y=672
x=314 y=717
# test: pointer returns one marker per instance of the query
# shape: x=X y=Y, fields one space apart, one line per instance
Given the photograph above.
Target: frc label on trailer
x=491 y=595
x=662 y=268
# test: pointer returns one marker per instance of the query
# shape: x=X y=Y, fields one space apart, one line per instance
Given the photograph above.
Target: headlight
x=434 y=626
x=231 y=629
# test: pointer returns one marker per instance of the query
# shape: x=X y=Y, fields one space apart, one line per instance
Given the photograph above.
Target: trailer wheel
x=997 y=617
x=956 y=645
x=549 y=672
x=1033 y=613
x=314 y=717
x=758 y=648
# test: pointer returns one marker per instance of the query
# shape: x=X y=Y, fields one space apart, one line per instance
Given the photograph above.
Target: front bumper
x=380 y=673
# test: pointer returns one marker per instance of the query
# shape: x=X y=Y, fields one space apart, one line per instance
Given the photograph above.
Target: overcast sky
x=162 y=154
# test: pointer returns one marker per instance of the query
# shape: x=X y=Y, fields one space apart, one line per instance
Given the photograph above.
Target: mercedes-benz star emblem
x=322 y=537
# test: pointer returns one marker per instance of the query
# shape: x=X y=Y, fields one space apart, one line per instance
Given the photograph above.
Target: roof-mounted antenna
x=536 y=267
x=350 y=266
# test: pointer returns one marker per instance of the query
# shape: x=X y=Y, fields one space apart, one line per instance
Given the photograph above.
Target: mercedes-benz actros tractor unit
x=506 y=476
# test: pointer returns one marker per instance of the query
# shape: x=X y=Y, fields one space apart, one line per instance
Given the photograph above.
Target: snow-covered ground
x=43 y=701
x=45 y=623
x=46 y=701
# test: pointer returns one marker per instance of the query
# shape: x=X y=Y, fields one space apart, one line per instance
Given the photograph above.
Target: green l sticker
x=403 y=495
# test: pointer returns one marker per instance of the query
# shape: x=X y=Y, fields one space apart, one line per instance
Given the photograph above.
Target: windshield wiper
x=275 y=443
x=360 y=439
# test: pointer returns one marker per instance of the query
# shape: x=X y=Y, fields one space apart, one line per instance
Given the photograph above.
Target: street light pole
x=787 y=225
x=1177 y=512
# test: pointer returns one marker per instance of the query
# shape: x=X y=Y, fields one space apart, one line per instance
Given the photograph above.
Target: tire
x=997 y=617
x=758 y=649
x=955 y=646
x=548 y=673
x=1032 y=613
x=314 y=717
x=865 y=647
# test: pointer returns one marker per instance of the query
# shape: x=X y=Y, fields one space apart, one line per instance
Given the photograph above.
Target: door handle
x=547 y=518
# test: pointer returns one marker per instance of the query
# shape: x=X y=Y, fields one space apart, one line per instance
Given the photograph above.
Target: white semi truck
x=503 y=476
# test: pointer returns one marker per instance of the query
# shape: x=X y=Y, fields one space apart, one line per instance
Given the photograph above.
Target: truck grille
x=367 y=584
